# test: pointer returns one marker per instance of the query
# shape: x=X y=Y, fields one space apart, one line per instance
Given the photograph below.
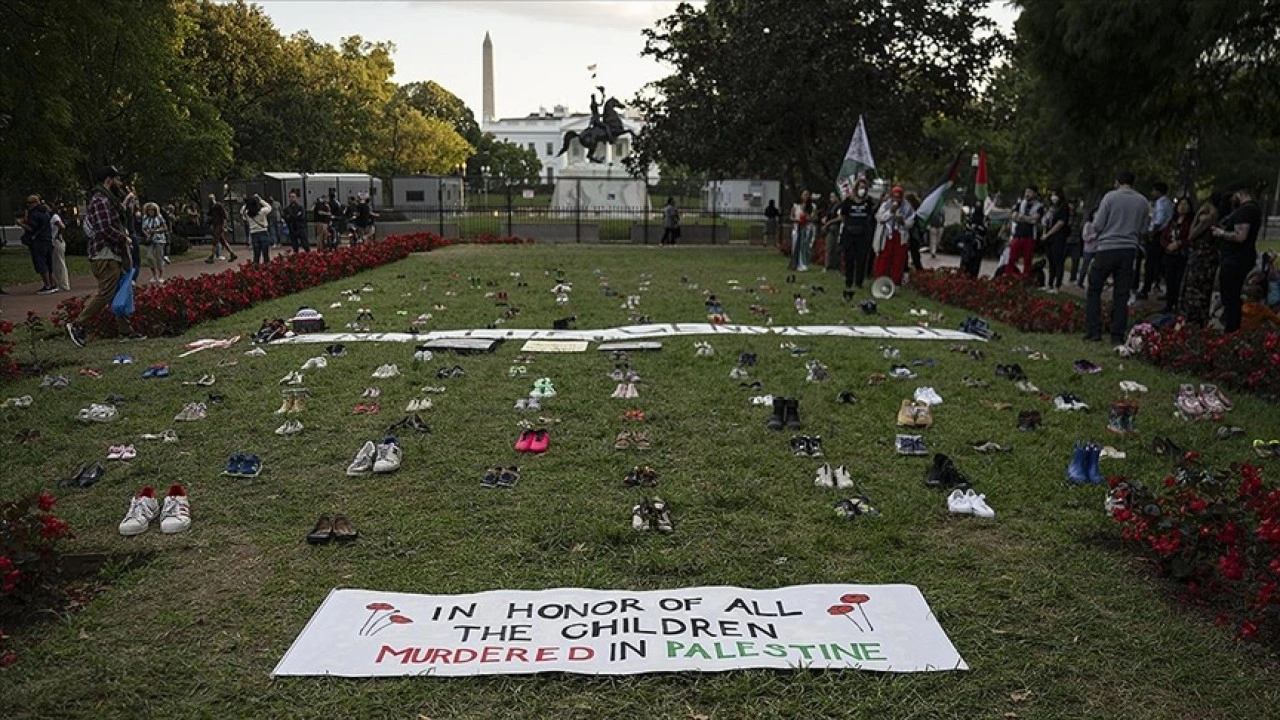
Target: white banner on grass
x=364 y=633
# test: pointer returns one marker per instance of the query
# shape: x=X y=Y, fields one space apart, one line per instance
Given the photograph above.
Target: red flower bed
x=180 y=303
x=1007 y=299
x=1217 y=533
x=1245 y=360
x=8 y=366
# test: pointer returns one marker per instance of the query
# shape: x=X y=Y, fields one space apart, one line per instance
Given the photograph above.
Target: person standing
x=155 y=238
x=1075 y=240
x=1057 y=226
x=37 y=235
x=1173 y=245
x=295 y=222
x=771 y=215
x=1161 y=214
x=133 y=225
x=670 y=222
x=1089 y=245
x=857 y=227
x=256 y=213
x=895 y=217
x=917 y=234
x=109 y=257
x=802 y=221
x=1025 y=218
x=1120 y=221
x=321 y=217
x=1238 y=233
x=61 y=278
x=365 y=218
x=937 y=227
x=973 y=243
x=831 y=232
x=218 y=228
x=274 y=222
x=1202 y=263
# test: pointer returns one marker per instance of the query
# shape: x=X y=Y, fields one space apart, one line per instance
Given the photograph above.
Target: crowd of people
x=1140 y=245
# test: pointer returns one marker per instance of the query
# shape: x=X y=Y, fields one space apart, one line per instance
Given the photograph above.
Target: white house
x=543 y=133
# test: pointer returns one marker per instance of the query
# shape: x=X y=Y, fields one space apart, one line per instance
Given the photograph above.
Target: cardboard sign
x=364 y=633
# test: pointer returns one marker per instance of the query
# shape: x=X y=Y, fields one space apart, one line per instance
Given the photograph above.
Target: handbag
x=122 y=304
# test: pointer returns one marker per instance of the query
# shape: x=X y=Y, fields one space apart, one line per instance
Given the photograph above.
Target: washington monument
x=486 y=111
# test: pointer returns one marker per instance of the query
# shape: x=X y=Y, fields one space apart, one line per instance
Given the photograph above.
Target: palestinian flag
x=980 y=180
x=934 y=202
x=857 y=160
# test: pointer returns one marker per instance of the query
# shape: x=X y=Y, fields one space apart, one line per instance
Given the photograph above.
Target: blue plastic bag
x=122 y=305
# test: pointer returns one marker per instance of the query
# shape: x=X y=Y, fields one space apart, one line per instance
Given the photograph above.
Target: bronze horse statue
x=604 y=128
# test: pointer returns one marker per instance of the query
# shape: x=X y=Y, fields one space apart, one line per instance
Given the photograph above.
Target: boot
x=779 y=410
x=299 y=403
x=1078 y=470
x=792 y=413
x=1115 y=418
x=1130 y=413
x=1094 y=471
x=286 y=406
x=937 y=475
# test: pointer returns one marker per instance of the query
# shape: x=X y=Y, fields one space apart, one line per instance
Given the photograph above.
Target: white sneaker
x=824 y=478
x=388 y=459
x=412 y=406
x=978 y=505
x=928 y=396
x=293 y=378
x=1130 y=386
x=142 y=510
x=316 y=362
x=738 y=373
x=255 y=352
x=386 y=371
x=423 y=356
x=958 y=503
x=176 y=514
x=290 y=427
x=843 y=478
x=363 y=463
x=1062 y=404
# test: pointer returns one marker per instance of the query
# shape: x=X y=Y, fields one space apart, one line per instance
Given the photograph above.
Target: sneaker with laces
x=388 y=456
x=958 y=503
x=175 y=515
x=978 y=505
x=143 y=508
x=316 y=362
x=843 y=478
x=825 y=476
x=363 y=462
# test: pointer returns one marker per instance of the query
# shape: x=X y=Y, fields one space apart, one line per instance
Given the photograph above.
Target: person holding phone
x=1238 y=252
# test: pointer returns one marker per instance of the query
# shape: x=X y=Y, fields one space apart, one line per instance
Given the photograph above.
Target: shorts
x=42 y=257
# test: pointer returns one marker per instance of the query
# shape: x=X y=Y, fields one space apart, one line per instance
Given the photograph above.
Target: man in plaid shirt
x=109 y=257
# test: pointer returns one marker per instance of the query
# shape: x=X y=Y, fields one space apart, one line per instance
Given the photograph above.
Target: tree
x=434 y=101
x=760 y=89
x=408 y=143
x=505 y=160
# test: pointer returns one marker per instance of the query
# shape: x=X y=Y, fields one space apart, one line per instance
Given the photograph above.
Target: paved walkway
x=22 y=298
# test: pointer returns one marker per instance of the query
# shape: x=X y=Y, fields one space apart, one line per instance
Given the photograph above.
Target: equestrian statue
x=605 y=126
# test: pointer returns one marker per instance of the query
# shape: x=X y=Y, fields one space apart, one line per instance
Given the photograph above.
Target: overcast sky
x=541 y=49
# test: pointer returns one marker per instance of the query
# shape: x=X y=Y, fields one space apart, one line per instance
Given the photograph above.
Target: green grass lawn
x=1054 y=621
x=15 y=266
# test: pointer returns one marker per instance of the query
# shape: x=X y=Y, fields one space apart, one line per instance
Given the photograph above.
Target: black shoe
x=799 y=446
x=76 y=333
x=342 y=530
x=846 y=398
x=73 y=480
x=322 y=532
x=779 y=409
x=92 y=475
x=792 y=413
x=815 y=445
x=936 y=477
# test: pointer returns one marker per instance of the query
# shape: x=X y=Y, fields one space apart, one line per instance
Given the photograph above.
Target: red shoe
x=525 y=443
x=360 y=409
x=540 y=442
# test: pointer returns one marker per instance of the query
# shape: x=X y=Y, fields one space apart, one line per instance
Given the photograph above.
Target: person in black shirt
x=295 y=220
x=771 y=214
x=1057 y=225
x=857 y=228
x=1238 y=234
x=831 y=232
x=973 y=242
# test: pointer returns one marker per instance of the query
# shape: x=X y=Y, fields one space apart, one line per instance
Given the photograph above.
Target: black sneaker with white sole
x=77 y=334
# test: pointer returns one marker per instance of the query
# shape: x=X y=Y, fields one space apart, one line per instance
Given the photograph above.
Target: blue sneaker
x=233 y=465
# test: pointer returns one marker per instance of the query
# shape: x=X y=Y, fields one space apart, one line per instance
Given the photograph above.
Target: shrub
x=1216 y=533
x=1247 y=360
x=30 y=563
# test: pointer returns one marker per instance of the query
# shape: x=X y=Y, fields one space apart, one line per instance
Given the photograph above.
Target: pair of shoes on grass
x=533 y=441
x=243 y=465
x=967 y=502
x=84 y=476
x=500 y=477
x=175 y=514
x=806 y=446
x=914 y=414
x=628 y=440
x=652 y=514
x=828 y=477
x=383 y=458
x=337 y=528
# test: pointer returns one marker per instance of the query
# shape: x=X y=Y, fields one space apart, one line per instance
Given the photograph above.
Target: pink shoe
x=525 y=442
x=1189 y=404
x=541 y=440
x=1215 y=398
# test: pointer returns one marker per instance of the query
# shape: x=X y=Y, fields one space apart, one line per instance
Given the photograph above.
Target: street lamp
x=484 y=183
x=1190 y=159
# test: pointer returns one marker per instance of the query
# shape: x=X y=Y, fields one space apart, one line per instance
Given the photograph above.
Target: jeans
x=1232 y=271
x=261 y=242
x=856 y=249
x=1155 y=265
x=1074 y=250
x=1118 y=265
x=1057 y=260
x=1175 y=264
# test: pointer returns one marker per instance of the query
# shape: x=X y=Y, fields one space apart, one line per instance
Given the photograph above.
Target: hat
x=897 y=190
x=109 y=171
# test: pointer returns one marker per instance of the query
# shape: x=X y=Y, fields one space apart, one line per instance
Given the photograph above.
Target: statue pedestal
x=598 y=188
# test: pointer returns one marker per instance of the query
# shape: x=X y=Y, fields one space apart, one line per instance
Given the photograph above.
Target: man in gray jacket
x=1119 y=223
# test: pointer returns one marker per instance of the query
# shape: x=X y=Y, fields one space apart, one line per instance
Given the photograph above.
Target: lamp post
x=1190 y=158
x=484 y=184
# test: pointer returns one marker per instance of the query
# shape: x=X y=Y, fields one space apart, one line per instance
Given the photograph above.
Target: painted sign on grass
x=364 y=633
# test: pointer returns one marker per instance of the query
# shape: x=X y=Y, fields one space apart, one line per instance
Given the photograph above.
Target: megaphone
x=882 y=288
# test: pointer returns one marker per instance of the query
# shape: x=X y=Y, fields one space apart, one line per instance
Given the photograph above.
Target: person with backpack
x=256 y=214
x=109 y=253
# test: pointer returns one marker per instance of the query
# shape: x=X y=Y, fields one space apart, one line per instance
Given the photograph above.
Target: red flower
x=379 y=606
x=46 y=502
x=399 y=619
x=839 y=609
x=854 y=598
x=1248 y=630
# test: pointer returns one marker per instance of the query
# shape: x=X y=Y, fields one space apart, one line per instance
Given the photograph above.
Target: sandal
x=1263 y=449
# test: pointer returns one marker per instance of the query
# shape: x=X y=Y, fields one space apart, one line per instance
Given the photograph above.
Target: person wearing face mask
x=895 y=216
x=857 y=225
x=1057 y=225
x=1025 y=217
x=1238 y=235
